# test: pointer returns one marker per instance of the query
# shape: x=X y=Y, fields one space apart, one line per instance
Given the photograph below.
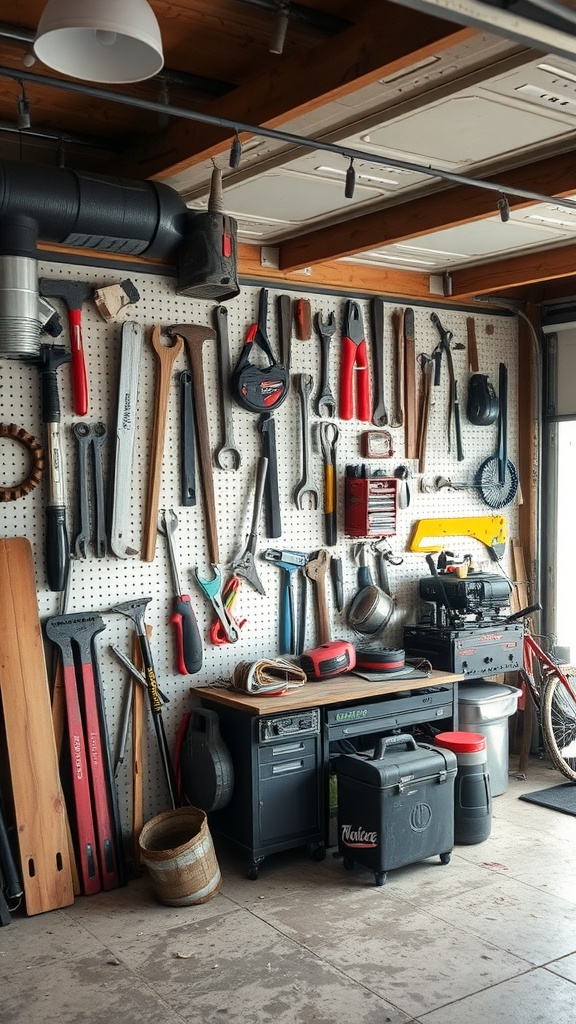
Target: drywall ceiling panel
x=466 y=243
x=290 y=198
x=384 y=179
x=464 y=130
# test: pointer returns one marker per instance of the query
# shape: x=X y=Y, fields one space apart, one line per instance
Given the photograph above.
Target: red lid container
x=461 y=742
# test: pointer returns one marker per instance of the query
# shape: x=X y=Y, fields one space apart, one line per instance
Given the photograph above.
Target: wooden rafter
x=554 y=176
x=387 y=39
x=516 y=272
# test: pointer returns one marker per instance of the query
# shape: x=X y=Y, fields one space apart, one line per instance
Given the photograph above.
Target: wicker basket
x=177 y=849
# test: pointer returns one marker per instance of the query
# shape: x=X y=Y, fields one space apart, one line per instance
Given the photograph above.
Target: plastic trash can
x=485 y=708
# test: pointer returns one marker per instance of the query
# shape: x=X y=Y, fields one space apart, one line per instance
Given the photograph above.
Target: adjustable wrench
x=325 y=401
x=227 y=455
x=316 y=569
x=304 y=386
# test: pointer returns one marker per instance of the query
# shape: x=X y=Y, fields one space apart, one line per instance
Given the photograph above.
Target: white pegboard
x=98 y=584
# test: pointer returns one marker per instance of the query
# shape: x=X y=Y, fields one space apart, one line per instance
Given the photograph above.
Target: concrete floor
x=489 y=937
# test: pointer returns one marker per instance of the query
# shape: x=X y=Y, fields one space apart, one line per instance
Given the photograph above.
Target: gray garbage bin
x=485 y=708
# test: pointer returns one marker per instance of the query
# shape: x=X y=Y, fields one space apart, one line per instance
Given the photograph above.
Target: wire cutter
x=354 y=357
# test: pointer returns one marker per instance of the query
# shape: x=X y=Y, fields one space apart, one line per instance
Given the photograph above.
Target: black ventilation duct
x=90 y=211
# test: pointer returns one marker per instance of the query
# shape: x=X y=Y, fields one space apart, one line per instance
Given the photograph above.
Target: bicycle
x=554 y=695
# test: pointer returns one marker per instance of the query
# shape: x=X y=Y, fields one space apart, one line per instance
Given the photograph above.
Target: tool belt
x=266 y=676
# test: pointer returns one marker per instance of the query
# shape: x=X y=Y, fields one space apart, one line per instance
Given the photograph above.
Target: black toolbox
x=395 y=806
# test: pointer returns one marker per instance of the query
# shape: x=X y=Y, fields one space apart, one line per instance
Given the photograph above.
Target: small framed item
x=377 y=444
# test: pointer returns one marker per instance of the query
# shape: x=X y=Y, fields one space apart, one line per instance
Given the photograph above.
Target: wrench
x=316 y=569
x=227 y=455
x=99 y=435
x=325 y=402
x=304 y=386
x=83 y=437
x=90 y=436
x=213 y=591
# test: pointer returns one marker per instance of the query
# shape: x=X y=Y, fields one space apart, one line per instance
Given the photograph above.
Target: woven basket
x=177 y=849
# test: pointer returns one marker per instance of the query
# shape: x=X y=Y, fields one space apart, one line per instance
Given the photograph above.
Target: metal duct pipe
x=90 y=211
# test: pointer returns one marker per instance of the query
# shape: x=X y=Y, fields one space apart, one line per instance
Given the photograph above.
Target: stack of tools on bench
x=469 y=631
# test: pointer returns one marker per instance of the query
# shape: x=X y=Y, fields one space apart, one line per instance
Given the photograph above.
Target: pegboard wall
x=99 y=583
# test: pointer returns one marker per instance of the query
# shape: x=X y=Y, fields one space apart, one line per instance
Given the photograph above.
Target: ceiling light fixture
x=280 y=27
x=23 y=107
x=110 y=41
x=350 y=180
x=235 y=152
x=503 y=208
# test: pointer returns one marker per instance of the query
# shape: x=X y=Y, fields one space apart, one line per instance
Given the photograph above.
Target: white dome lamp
x=110 y=41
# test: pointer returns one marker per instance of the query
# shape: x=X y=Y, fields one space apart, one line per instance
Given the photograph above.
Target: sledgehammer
x=73 y=294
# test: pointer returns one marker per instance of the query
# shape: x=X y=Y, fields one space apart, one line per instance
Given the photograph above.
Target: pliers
x=354 y=357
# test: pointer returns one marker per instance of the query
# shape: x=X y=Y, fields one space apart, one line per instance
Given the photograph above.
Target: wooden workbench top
x=339 y=690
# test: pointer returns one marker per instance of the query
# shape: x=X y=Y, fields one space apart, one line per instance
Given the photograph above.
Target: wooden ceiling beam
x=516 y=272
x=387 y=39
x=463 y=204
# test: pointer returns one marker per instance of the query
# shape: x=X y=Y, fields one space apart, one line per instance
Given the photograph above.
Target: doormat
x=557 y=798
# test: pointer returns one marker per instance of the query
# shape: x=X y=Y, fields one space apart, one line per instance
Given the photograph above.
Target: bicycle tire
x=558 y=720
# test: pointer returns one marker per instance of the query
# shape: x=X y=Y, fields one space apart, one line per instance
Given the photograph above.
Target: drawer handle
x=287 y=748
x=292 y=766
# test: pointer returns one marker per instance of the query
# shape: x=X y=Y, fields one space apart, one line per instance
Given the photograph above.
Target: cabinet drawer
x=288 y=749
x=290 y=766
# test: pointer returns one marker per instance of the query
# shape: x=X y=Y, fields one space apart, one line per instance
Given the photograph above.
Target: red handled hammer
x=73 y=294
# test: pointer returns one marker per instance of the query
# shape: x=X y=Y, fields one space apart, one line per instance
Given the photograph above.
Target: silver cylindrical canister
x=19 y=318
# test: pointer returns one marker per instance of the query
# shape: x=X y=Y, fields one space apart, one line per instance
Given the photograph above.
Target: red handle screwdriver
x=188 y=640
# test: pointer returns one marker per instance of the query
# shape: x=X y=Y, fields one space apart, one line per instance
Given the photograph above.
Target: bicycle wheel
x=558 y=716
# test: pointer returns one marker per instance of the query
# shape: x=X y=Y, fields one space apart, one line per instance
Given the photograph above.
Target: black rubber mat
x=557 y=798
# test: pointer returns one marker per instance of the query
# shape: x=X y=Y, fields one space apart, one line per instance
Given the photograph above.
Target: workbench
x=281 y=749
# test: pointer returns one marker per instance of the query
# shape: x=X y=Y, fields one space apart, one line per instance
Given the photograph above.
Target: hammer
x=290 y=562
x=73 y=294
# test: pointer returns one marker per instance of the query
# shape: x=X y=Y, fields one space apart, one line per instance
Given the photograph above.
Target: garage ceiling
x=427 y=104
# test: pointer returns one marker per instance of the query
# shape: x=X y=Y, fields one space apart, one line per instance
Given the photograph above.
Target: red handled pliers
x=354 y=359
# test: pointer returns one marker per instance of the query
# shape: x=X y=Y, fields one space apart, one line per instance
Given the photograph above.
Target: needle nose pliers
x=354 y=358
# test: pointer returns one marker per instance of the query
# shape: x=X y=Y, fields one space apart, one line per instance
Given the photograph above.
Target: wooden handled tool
x=410 y=424
x=167 y=355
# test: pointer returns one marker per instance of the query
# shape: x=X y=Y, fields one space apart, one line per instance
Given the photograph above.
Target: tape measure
x=330 y=659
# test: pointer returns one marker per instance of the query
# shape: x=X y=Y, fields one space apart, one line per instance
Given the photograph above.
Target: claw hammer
x=290 y=562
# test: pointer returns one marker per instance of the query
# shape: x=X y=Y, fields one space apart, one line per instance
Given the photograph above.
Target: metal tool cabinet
x=281 y=748
x=277 y=801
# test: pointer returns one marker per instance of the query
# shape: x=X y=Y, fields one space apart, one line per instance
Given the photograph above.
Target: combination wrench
x=325 y=402
x=227 y=455
x=304 y=385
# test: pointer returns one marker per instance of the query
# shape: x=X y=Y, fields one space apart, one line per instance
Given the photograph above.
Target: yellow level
x=490 y=530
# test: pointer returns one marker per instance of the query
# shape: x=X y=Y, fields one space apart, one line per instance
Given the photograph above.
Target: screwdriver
x=57 y=547
x=188 y=640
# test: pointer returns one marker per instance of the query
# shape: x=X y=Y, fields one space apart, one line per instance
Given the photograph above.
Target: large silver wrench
x=213 y=591
x=304 y=385
x=325 y=402
x=132 y=344
x=227 y=455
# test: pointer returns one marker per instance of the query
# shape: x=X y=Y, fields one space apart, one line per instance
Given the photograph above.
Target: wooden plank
x=512 y=273
x=339 y=690
x=37 y=795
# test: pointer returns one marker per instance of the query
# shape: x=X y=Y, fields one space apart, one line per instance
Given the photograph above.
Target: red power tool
x=330 y=659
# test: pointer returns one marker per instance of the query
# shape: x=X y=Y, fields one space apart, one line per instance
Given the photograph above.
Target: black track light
x=279 y=28
x=503 y=208
x=350 y=180
x=235 y=151
x=23 y=108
